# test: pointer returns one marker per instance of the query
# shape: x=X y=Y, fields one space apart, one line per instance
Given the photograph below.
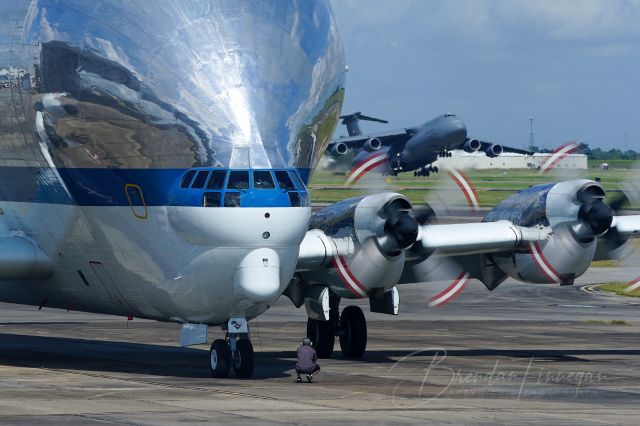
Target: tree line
x=601 y=154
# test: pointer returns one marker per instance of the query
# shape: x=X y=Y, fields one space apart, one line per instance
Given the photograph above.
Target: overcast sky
x=572 y=65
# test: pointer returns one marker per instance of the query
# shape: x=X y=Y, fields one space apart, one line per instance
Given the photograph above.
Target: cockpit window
x=216 y=181
x=284 y=181
x=238 y=180
x=186 y=179
x=211 y=199
x=263 y=180
x=449 y=115
x=294 y=199
x=232 y=199
x=296 y=179
x=200 y=179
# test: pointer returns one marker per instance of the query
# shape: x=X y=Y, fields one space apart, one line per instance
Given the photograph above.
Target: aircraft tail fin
x=351 y=121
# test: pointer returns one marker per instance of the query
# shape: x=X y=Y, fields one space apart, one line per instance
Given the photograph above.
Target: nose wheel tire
x=219 y=359
x=244 y=358
x=353 y=332
x=322 y=336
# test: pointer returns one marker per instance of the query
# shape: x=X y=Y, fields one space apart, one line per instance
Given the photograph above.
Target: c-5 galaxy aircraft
x=154 y=162
x=410 y=149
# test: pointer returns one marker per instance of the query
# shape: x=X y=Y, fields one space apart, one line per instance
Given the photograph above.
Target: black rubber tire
x=322 y=337
x=244 y=360
x=353 y=332
x=219 y=366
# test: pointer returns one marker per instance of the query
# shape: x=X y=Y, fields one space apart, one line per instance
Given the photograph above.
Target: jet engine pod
x=575 y=211
x=471 y=145
x=372 y=145
x=340 y=149
x=494 y=150
x=381 y=227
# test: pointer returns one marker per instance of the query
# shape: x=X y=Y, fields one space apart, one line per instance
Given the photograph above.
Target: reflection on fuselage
x=122 y=124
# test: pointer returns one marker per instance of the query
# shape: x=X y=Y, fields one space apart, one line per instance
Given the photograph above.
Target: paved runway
x=522 y=354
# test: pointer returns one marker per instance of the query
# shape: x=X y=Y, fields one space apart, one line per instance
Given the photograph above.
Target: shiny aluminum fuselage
x=105 y=105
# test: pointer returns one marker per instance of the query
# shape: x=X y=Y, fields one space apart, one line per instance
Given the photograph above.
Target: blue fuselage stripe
x=114 y=187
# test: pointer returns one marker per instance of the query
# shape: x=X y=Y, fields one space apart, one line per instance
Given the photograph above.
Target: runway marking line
x=155 y=383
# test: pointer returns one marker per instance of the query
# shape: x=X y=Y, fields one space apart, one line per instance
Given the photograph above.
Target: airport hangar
x=478 y=160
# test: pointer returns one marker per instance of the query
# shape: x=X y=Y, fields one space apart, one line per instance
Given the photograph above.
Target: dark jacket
x=306 y=358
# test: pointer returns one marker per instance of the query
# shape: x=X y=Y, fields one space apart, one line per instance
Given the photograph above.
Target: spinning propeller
x=453 y=198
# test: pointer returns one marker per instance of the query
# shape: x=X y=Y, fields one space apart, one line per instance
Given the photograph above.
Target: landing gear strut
x=235 y=350
x=322 y=335
x=350 y=327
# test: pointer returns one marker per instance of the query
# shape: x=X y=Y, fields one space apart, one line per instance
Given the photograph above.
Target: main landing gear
x=425 y=171
x=234 y=351
x=350 y=328
x=444 y=154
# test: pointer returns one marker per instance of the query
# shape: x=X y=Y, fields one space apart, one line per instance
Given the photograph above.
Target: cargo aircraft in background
x=155 y=160
x=409 y=149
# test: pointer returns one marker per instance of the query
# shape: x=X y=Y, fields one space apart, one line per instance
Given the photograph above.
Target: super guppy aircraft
x=154 y=156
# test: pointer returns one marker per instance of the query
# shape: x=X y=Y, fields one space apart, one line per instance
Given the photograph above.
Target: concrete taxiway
x=522 y=354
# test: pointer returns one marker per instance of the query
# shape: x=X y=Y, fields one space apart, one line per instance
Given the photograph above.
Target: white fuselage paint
x=177 y=264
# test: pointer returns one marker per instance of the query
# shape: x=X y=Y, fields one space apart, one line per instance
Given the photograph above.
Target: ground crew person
x=307 y=362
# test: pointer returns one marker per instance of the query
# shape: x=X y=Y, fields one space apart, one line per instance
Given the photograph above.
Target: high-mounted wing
x=371 y=141
x=491 y=149
x=487 y=145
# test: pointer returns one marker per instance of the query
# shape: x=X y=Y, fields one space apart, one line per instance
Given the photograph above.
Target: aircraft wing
x=386 y=138
x=318 y=249
x=354 y=267
x=484 y=237
x=486 y=145
x=627 y=226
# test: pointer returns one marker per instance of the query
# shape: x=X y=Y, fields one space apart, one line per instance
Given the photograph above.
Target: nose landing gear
x=235 y=350
x=243 y=360
x=220 y=358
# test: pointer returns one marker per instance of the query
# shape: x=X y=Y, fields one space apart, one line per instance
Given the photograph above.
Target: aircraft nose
x=458 y=130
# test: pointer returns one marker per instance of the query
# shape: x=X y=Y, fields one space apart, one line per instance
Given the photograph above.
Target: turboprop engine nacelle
x=339 y=149
x=575 y=211
x=378 y=228
x=471 y=145
x=494 y=151
x=372 y=145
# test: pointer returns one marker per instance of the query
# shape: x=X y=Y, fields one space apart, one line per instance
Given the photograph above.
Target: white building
x=478 y=160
